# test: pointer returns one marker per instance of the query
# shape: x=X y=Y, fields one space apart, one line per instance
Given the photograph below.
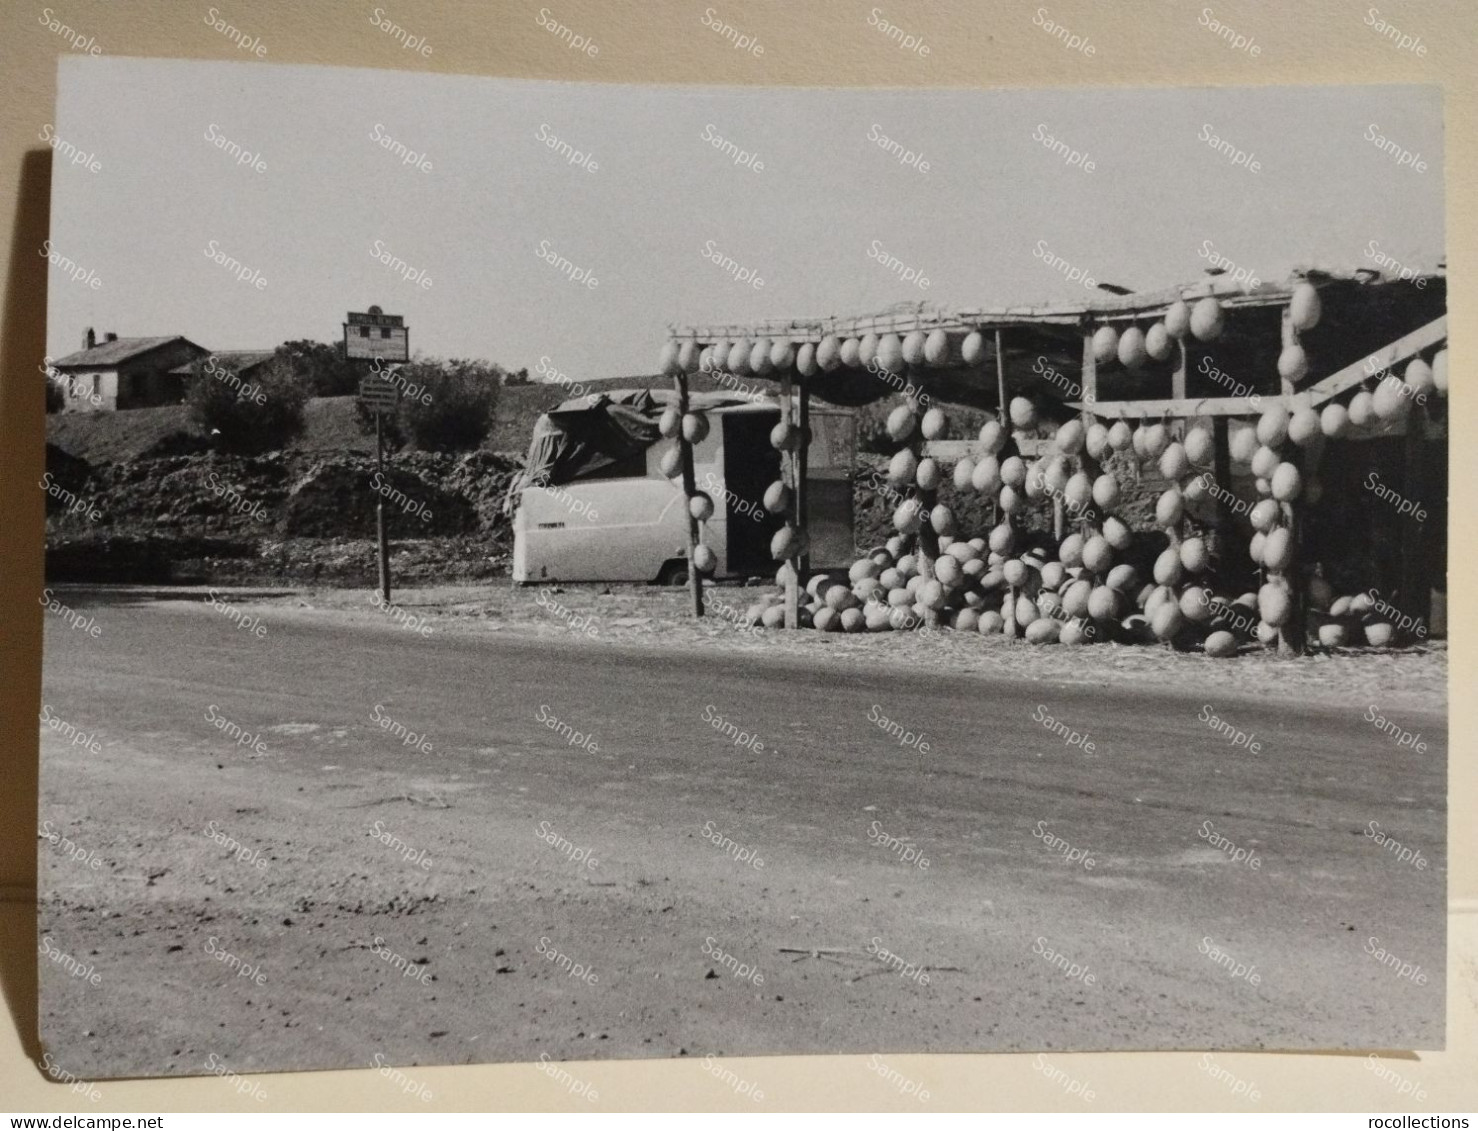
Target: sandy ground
x=319 y=886
x=648 y=616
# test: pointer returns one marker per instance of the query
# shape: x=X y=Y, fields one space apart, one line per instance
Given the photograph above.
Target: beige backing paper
x=973 y=43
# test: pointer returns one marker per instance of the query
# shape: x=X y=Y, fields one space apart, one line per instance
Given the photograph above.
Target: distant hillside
x=329 y=422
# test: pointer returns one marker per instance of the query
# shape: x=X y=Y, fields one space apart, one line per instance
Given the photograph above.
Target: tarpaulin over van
x=579 y=437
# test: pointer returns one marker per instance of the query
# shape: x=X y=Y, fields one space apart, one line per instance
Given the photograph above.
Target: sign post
x=378 y=337
x=380 y=396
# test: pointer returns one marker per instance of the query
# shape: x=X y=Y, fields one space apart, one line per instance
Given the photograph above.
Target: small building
x=243 y=364
x=121 y=373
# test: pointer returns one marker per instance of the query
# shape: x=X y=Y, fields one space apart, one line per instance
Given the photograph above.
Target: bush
x=321 y=368
x=247 y=417
x=445 y=406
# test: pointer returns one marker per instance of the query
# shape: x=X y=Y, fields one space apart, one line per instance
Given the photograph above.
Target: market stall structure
x=1326 y=391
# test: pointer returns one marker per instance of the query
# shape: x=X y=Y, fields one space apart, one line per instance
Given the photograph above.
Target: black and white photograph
x=549 y=572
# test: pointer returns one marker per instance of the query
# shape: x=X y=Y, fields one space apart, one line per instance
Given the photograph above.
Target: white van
x=626 y=521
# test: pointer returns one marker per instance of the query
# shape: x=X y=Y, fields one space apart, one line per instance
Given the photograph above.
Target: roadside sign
x=378 y=394
x=376 y=334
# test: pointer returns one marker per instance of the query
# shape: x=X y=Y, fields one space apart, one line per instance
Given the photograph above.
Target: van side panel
x=613 y=529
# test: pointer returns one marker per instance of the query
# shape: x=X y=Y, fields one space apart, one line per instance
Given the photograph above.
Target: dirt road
x=282 y=820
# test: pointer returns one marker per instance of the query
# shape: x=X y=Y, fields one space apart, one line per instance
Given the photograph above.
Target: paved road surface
x=329 y=908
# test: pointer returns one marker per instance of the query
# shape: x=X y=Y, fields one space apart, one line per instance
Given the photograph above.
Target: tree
x=445 y=406
x=320 y=368
x=55 y=399
x=246 y=416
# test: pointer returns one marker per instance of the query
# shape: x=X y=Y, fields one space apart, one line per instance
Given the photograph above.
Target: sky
x=820 y=223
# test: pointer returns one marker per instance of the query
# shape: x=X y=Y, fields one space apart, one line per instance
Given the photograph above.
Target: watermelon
x=1390 y=399
x=806 y=363
x=829 y=353
x=913 y=347
x=1097 y=554
x=1207 y=319
x=1105 y=344
x=972 y=349
x=1264 y=462
x=1194 y=555
x=1178 y=319
x=1167 y=621
x=1277 y=549
x=687 y=356
x=1293 y=363
x=1168 y=567
x=936 y=348
x=1195 y=603
x=1304 y=307
x=890 y=353
x=1274 y=604
x=1334 y=421
x=777 y=498
x=1078 y=491
x=1132 y=350
x=695 y=427
x=1043 y=630
x=1158 y=342
x=1286 y=482
x=926 y=475
x=1221 y=645
x=1198 y=445
x=1272 y=425
x=935 y=424
x=739 y=355
x=1304 y=427
x=1174 y=462
x=1419 y=379
x=992 y=437
x=1170 y=507
x=1117 y=534
x=1070 y=437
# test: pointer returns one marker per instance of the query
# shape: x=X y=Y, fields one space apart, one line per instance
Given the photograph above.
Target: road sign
x=375 y=334
x=378 y=394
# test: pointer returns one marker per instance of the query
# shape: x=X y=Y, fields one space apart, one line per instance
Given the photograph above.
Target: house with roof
x=239 y=368
x=120 y=373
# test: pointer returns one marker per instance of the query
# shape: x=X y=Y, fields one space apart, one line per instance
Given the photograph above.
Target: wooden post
x=1221 y=469
x=382 y=543
x=788 y=476
x=1001 y=385
x=803 y=466
x=1416 y=582
x=1293 y=636
x=690 y=488
x=1007 y=450
x=1090 y=369
x=927 y=550
x=1290 y=337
